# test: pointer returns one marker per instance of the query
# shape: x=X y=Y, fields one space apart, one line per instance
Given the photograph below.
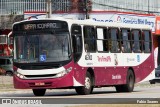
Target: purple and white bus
x=82 y=54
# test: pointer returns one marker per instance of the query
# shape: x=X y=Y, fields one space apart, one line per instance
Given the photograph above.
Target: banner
x=41 y=101
x=126 y=18
x=157 y=25
x=104 y=16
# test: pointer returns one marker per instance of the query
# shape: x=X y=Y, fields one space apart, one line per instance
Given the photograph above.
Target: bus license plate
x=39 y=83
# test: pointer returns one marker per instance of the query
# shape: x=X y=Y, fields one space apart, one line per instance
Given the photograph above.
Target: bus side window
x=147 y=41
x=125 y=45
x=115 y=40
x=106 y=40
x=136 y=41
x=102 y=40
x=89 y=39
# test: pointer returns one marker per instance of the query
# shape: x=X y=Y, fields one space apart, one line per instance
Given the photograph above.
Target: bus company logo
x=104 y=58
x=119 y=19
x=88 y=57
x=21 y=101
x=6 y=101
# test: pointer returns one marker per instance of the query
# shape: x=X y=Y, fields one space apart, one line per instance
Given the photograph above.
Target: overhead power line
x=116 y=7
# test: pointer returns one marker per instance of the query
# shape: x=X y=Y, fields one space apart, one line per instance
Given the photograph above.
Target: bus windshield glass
x=45 y=47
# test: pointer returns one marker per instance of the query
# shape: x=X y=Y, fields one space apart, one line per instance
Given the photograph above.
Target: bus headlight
x=20 y=75
x=64 y=72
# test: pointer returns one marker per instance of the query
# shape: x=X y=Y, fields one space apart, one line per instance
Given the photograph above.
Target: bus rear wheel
x=88 y=86
x=39 y=92
x=129 y=86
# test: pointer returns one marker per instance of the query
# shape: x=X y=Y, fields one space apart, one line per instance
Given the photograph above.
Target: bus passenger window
x=125 y=45
x=136 y=44
x=106 y=45
x=89 y=39
x=102 y=40
x=106 y=40
x=147 y=41
x=115 y=40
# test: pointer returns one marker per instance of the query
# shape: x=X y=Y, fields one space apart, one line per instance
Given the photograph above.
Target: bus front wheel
x=39 y=92
x=88 y=86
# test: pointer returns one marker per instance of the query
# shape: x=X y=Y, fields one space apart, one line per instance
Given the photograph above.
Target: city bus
x=81 y=54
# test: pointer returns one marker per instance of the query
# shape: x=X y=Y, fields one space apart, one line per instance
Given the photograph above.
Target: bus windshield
x=45 y=47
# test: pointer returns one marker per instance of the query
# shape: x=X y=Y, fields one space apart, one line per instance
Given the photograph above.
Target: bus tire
x=129 y=86
x=130 y=81
x=88 y=86
x=39 y=92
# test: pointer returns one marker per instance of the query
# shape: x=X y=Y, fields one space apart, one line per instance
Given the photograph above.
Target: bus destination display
x=40 y=25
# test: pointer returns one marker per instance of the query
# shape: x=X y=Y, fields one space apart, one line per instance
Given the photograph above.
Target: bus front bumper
x=63 y=82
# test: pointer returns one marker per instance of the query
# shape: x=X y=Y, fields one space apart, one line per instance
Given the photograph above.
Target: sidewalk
x=6 y=83
x=6 y=79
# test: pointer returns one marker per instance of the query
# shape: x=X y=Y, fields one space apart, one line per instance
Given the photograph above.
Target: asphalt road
x=107 y=92
x=142 y=93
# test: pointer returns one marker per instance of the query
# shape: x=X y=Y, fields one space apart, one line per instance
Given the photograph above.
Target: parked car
x=157 y=76
x=6 y=64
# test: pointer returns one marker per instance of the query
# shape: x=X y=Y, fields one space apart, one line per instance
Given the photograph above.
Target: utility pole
x=148 y=7
x=49 y=8
x=86 y=9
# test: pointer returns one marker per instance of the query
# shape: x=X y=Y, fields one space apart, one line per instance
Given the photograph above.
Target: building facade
x=139 y=6
x=20 y=6
x=8 y=8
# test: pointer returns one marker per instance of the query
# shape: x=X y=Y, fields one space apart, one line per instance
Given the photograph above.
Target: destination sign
x=40 y=25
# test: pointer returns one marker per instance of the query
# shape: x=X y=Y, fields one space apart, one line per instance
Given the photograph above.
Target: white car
x=6 y=64
x=157 y=76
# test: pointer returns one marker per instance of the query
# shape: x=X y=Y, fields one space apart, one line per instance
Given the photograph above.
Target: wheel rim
x=87 y=83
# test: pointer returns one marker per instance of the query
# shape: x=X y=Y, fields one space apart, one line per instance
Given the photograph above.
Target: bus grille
x=38 y=67
x=40 y=76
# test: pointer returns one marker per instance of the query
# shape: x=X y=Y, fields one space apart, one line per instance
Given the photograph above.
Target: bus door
x=76 y=34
